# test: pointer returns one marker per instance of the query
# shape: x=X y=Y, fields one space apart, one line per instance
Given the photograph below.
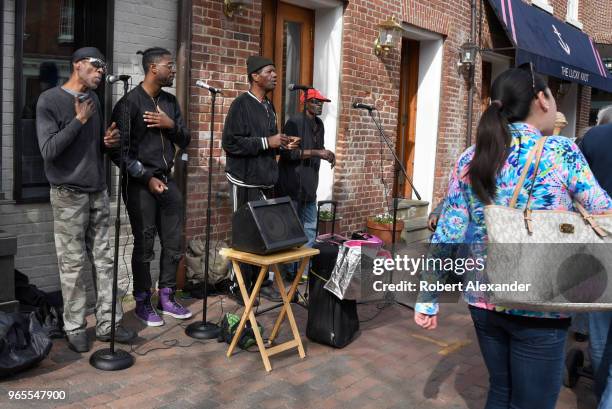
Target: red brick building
x=421 y=94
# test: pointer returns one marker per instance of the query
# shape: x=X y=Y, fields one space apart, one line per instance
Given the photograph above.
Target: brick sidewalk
x=392 y=364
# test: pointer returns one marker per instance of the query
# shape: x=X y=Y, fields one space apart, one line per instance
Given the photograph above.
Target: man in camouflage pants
x=72 y=140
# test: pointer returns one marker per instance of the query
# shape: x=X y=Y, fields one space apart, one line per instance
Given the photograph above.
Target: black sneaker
x=122 y=335
x=271 y=294
x=235 y=295
x=78 y=342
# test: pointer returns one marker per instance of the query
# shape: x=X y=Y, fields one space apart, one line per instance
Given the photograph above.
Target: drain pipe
x=471 y=75
x=183 y=87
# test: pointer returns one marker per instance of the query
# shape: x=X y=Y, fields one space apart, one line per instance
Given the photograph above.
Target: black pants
x=152 y=214
x=241 y=196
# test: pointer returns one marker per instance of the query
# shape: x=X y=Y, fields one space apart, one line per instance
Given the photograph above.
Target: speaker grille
x=276 y=224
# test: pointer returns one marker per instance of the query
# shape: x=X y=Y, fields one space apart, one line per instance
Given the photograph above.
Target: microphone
x=359 y=105
x=111 y=78
x=295 y=87
x=202 y=84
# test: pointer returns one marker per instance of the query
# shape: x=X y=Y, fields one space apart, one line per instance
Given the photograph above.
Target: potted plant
x=381 y=226
x=325 y=222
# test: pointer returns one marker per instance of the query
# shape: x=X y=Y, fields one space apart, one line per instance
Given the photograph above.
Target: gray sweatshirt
x=73 y=152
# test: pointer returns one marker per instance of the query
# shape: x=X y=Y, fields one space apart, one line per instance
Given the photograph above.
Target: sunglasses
x=171 y=66
x=96 y=63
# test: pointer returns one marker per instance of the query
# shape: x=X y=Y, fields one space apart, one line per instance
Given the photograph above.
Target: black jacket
x=299 y=178
x=148 y=151
x=596 y=145
x=250 y=162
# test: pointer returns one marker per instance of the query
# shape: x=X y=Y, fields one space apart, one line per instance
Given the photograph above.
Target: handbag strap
x=527 y=212
x=523 y=176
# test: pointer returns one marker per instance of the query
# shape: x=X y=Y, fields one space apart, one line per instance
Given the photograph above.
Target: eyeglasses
x=96 y=63
x=171 y=66
x=532 y=71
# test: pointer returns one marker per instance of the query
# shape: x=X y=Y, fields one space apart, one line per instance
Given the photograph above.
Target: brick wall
x=220 y=48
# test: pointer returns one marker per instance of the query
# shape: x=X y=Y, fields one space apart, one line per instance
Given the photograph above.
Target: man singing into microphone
x=251 y=142
x=72 y=139
x=299 y=169
x=154 y=204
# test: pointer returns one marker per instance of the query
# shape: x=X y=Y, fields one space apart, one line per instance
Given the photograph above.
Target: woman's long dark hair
x=512 y=93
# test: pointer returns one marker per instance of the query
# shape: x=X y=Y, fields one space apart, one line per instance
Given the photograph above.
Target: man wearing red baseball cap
x=298 y=169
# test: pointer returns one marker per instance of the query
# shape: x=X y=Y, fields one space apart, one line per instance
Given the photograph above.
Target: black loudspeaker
x=267 y=226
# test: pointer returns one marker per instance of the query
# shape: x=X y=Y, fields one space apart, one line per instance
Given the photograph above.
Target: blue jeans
x=600 y=337
x=524 y=357
x=307 y=212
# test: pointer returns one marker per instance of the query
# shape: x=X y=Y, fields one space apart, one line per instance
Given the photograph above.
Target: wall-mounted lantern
x=467 y=54
x=390 y=34
x=235 y=6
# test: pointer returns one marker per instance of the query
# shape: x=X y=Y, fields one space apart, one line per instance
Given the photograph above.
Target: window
x=572 y=16
x=66 y=22
x=543 y=4
x=43 y=49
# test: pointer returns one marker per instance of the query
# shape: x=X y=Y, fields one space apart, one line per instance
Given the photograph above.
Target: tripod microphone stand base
x=107 y=360
x=202 y=330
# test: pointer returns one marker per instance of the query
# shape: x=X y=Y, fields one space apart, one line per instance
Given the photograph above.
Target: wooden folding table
x=272 y=261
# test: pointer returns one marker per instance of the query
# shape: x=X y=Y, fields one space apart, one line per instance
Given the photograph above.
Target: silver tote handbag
x=547 y=260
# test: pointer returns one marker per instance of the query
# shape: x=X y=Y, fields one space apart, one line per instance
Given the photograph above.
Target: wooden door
x=406 y=129
x=292 y=36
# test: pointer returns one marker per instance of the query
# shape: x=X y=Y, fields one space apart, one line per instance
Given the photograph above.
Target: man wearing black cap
x=72 y=140
x=251 y=141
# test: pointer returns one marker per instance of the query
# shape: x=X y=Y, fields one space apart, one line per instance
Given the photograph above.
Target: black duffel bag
x=331 y=321
x=23 y=343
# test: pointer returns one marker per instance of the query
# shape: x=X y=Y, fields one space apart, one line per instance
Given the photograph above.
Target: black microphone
x=112 y=78
x=359 y=105
x=295 y=87
x=202 y=84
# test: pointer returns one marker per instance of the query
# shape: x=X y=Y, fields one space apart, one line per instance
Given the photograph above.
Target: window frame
x=18 y=96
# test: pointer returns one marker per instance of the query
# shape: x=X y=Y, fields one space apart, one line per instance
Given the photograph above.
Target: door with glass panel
x=288 y=38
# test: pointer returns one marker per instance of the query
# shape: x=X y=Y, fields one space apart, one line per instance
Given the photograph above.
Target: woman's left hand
x=426 y=321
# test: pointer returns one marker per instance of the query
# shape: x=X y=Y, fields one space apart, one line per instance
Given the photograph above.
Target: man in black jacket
x=597 y=149
x=251 y=141
x=150 y=121
x=299 y=169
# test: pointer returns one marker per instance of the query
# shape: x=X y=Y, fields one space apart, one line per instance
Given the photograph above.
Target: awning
x=554 y=47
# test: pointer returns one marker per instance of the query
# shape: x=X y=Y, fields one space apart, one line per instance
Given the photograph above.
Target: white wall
x=326 y=78
x=141 y=24
x=568 y=105
x=428 y=109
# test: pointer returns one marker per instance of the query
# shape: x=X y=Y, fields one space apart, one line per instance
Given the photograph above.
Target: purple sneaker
x=168 y=305
x=145 y=311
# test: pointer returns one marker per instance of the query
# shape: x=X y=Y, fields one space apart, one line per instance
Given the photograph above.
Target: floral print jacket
x=564 y=176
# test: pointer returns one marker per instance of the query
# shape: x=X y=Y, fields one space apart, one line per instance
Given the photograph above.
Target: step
x=410 y=209
x=414 y=236
x=415 y=224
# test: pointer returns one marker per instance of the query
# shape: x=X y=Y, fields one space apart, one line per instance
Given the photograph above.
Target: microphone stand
x=109 y=359
x=204 y=329
x=399 y=164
